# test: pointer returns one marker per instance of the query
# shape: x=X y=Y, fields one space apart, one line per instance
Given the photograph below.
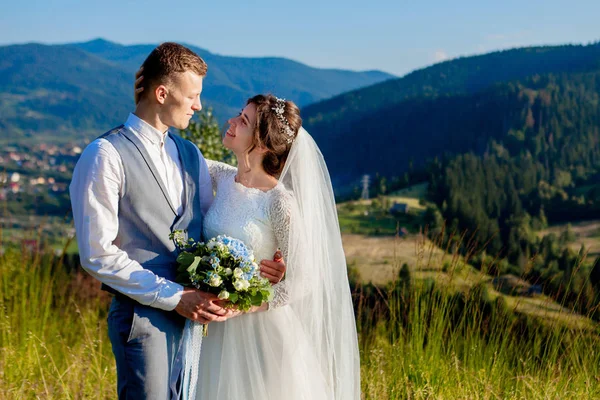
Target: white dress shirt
x=97 y=186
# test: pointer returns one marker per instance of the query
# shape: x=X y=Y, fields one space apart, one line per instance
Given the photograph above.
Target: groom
x=131 y=188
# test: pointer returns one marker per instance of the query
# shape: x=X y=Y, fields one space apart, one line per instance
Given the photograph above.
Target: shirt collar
x=146 y=130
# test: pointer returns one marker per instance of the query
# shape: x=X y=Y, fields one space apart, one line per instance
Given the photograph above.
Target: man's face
x=183 y=99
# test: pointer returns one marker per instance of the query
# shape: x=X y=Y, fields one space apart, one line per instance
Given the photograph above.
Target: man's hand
x=137 y=89
x=273 y=270
x=201 y=307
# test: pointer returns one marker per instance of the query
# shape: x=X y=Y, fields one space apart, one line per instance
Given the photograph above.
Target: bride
x=303 y=343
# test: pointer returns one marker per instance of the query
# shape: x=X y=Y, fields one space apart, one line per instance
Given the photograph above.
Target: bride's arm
x=280 y=214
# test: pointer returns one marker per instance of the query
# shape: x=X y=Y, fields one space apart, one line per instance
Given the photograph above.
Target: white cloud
x=440 y=55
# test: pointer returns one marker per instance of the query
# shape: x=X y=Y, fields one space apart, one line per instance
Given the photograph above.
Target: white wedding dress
x=305 y=346
x=250 y=356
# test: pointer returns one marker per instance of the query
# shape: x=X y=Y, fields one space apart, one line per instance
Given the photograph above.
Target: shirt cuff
x=168 y=296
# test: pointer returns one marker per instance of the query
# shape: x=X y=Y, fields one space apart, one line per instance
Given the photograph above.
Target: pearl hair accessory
x=285 y=128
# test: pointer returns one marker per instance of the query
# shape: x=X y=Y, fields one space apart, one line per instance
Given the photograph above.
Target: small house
x=399 y=208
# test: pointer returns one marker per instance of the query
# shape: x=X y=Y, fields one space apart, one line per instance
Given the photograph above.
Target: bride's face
x=240 y=134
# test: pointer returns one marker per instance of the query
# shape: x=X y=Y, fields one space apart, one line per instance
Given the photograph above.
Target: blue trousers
x=144 y=341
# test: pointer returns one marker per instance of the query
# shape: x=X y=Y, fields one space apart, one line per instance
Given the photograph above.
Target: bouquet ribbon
x=187 y=362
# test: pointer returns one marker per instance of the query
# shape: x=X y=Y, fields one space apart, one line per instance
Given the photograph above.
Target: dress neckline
x=251 y=189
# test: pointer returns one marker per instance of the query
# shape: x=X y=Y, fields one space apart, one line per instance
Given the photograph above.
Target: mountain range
x=78 y=90
x=364 y=122
x=452 y=107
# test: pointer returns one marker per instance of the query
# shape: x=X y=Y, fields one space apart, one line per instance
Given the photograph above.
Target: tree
x=404 y=278
x=383 y=185
x=206 y=134
x=433 y=220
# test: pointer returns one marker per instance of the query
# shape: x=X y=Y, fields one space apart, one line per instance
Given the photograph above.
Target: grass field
x=586 y=233
x=421 y=344
x=372 y=217
x=411 y=195
x=415 y=343
x=52 y=231
x=378 y=260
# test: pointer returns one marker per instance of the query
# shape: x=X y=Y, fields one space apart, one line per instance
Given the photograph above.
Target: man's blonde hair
x=167 y=60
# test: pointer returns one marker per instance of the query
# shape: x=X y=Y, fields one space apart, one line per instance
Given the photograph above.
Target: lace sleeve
x=280 y=213
x=218 y=170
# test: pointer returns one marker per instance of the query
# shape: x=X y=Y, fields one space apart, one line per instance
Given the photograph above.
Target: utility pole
x=365 y=183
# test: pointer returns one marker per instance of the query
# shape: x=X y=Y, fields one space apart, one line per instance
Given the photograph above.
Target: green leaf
x=233 y=297
x=192 y=268
x=256 y=299
x=185 y=258
x=183 y=278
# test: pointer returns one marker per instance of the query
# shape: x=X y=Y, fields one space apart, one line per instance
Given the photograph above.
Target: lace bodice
x=260 y=219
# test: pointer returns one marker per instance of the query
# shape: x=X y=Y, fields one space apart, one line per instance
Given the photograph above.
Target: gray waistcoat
x=146 y=215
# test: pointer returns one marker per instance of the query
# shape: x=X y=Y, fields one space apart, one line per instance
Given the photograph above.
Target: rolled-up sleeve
x=95 y=190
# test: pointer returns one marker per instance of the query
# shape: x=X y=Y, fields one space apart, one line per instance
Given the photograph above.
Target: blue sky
x=393 y=36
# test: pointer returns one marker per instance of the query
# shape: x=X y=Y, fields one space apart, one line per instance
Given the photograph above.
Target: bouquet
x=223 y=266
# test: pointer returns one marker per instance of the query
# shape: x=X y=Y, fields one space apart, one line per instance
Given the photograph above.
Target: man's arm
x=97 y=182
x=95 y=187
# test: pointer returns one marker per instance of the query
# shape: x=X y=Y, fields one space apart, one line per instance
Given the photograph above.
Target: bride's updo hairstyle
x=277 y=124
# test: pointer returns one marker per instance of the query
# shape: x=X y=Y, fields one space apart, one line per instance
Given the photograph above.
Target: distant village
x=39 y=168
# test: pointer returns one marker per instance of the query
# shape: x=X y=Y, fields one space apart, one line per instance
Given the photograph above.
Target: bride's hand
x=234 y=312
x=231 y=309
x=262 y=307
x=137 y=89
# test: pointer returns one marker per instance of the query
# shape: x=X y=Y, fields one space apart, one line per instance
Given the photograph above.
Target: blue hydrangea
x=208 y=276
x=214 y=262
x=236 y=247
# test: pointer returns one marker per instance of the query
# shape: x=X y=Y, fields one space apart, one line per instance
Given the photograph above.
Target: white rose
x=246 y=285
x=228 y=271
x=215 y=281
x=238 y=272
x=240 y=285
x=224 y=295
